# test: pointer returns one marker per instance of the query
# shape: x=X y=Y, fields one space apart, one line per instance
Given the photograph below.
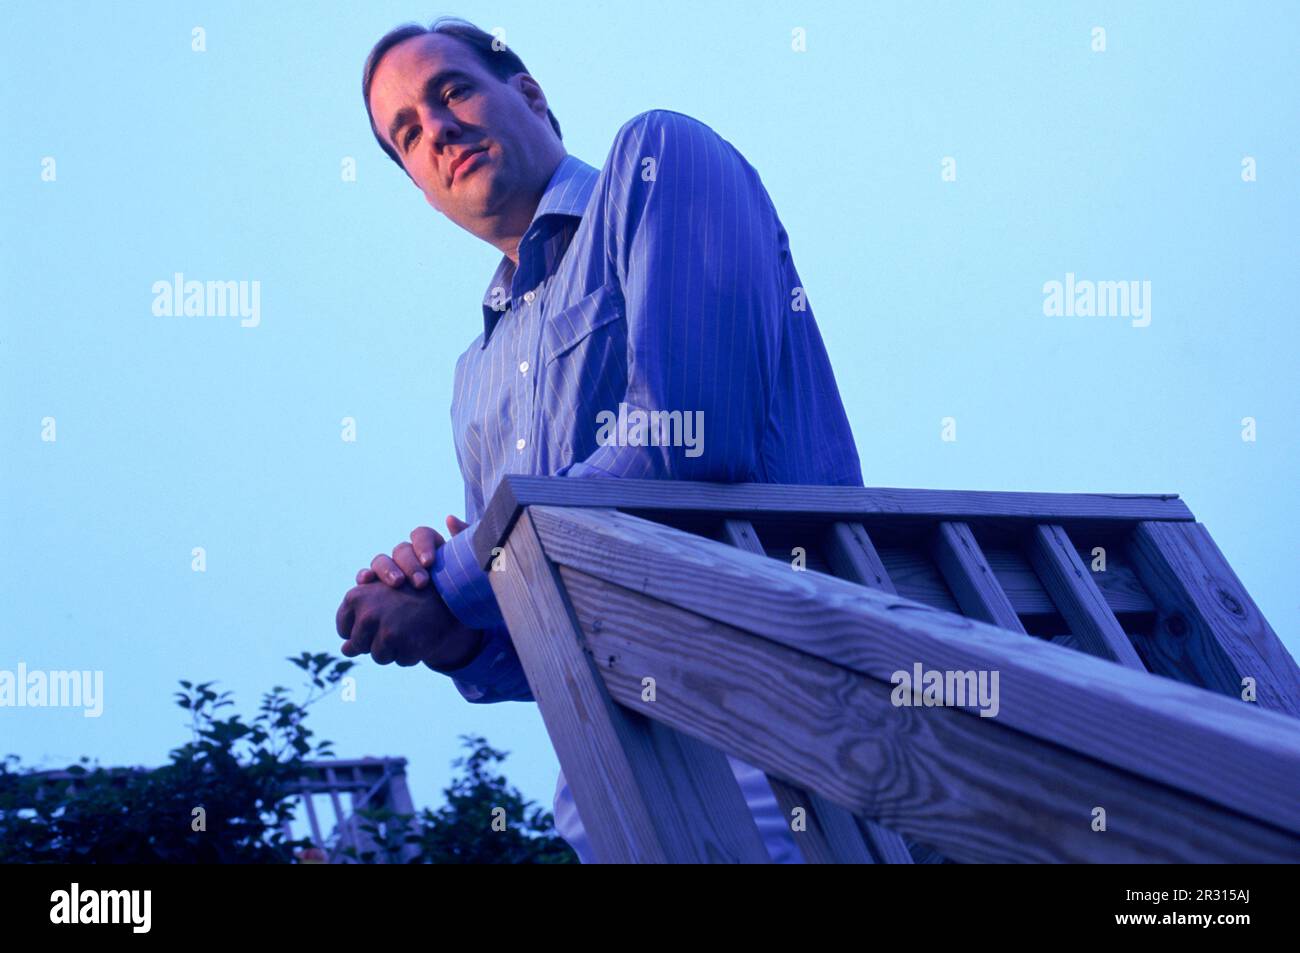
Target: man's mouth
x=468 y=161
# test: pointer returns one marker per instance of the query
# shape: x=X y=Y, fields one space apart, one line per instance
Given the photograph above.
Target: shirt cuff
x=463 y=584
x=494 y=674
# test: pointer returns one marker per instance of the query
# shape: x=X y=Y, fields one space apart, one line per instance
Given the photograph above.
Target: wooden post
x=1209 y=632
x=645 y=793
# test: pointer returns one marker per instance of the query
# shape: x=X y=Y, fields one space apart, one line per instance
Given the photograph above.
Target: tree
x=226 y=794
x=485 y=821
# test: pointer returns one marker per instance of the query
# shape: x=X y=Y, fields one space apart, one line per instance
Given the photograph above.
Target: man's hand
x=409 y=560
x=406 y=626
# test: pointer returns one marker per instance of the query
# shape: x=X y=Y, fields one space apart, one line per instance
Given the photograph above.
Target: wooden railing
x=366 y=783
x=1143 y=709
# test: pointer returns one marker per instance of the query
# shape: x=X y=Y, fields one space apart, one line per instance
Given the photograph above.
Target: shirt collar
x=566 y=194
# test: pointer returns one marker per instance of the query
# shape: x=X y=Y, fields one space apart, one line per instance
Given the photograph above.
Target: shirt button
x=529 y=296
x=519 y=444
x=523 y=367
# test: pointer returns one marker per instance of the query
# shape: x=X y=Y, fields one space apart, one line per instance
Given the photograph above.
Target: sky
x=1128 y=163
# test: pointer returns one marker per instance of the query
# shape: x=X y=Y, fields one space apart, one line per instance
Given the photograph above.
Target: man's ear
x=531 y=90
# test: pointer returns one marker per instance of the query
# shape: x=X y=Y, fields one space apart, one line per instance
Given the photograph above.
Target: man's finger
x=424 y=540
x=363 y=633
x=343 y=618
x=366 y=575
x=381 y=649
x=387 y=571
x=409 y=563
x=456 y=525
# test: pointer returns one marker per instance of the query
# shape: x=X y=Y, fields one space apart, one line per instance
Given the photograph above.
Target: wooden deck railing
x=1144 y=710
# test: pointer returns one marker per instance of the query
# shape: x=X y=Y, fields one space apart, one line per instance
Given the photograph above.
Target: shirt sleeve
x=494 y=675
x=694 y=244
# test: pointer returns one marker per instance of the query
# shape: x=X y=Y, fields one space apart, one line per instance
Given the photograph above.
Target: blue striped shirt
x=655 y=327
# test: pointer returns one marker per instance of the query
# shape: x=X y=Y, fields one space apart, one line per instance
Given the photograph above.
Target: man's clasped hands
x=396 y=614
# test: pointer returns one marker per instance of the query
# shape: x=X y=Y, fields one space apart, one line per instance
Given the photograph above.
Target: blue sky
x=178 y=432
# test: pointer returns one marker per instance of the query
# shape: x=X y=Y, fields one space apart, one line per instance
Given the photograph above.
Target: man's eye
x=453 y=91
x=409 y=139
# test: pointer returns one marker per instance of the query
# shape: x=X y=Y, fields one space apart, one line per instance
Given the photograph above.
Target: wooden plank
x=644 y=793
x=1168 y=732
x=1209 y=631
x=831 y=834
x=975 y=788
x=751 y=501
x=970 y=578
x=1076 y=595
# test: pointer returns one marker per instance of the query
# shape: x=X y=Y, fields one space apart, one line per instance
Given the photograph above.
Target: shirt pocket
x=595 y=319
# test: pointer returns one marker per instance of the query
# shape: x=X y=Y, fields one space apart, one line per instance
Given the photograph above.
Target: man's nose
x=443 y=132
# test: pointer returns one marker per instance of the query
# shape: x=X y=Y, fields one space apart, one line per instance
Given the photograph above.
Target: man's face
x=435 y=104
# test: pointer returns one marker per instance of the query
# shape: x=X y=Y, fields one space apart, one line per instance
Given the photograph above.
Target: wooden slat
x=645 y=794
x=1080 y=602
x=853 y=556
x=316 y=837
x=339 y=816
x=914 y=575
x=970 y=578
x=832 y=836
x=975 y=788
x=1208 y=630
x=1171 y=733
x=816 y=503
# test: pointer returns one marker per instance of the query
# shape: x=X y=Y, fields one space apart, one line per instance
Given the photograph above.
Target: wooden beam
x=970 y=578
x=975 y=788
x=1084 y=608
x=645 y=794
x=1170 y=733
x=1208 y=630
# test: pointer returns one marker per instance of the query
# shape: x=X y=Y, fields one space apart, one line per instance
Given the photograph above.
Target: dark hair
x=500 y=62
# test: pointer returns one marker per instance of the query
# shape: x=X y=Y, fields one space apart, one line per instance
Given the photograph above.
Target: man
x=661 y=282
